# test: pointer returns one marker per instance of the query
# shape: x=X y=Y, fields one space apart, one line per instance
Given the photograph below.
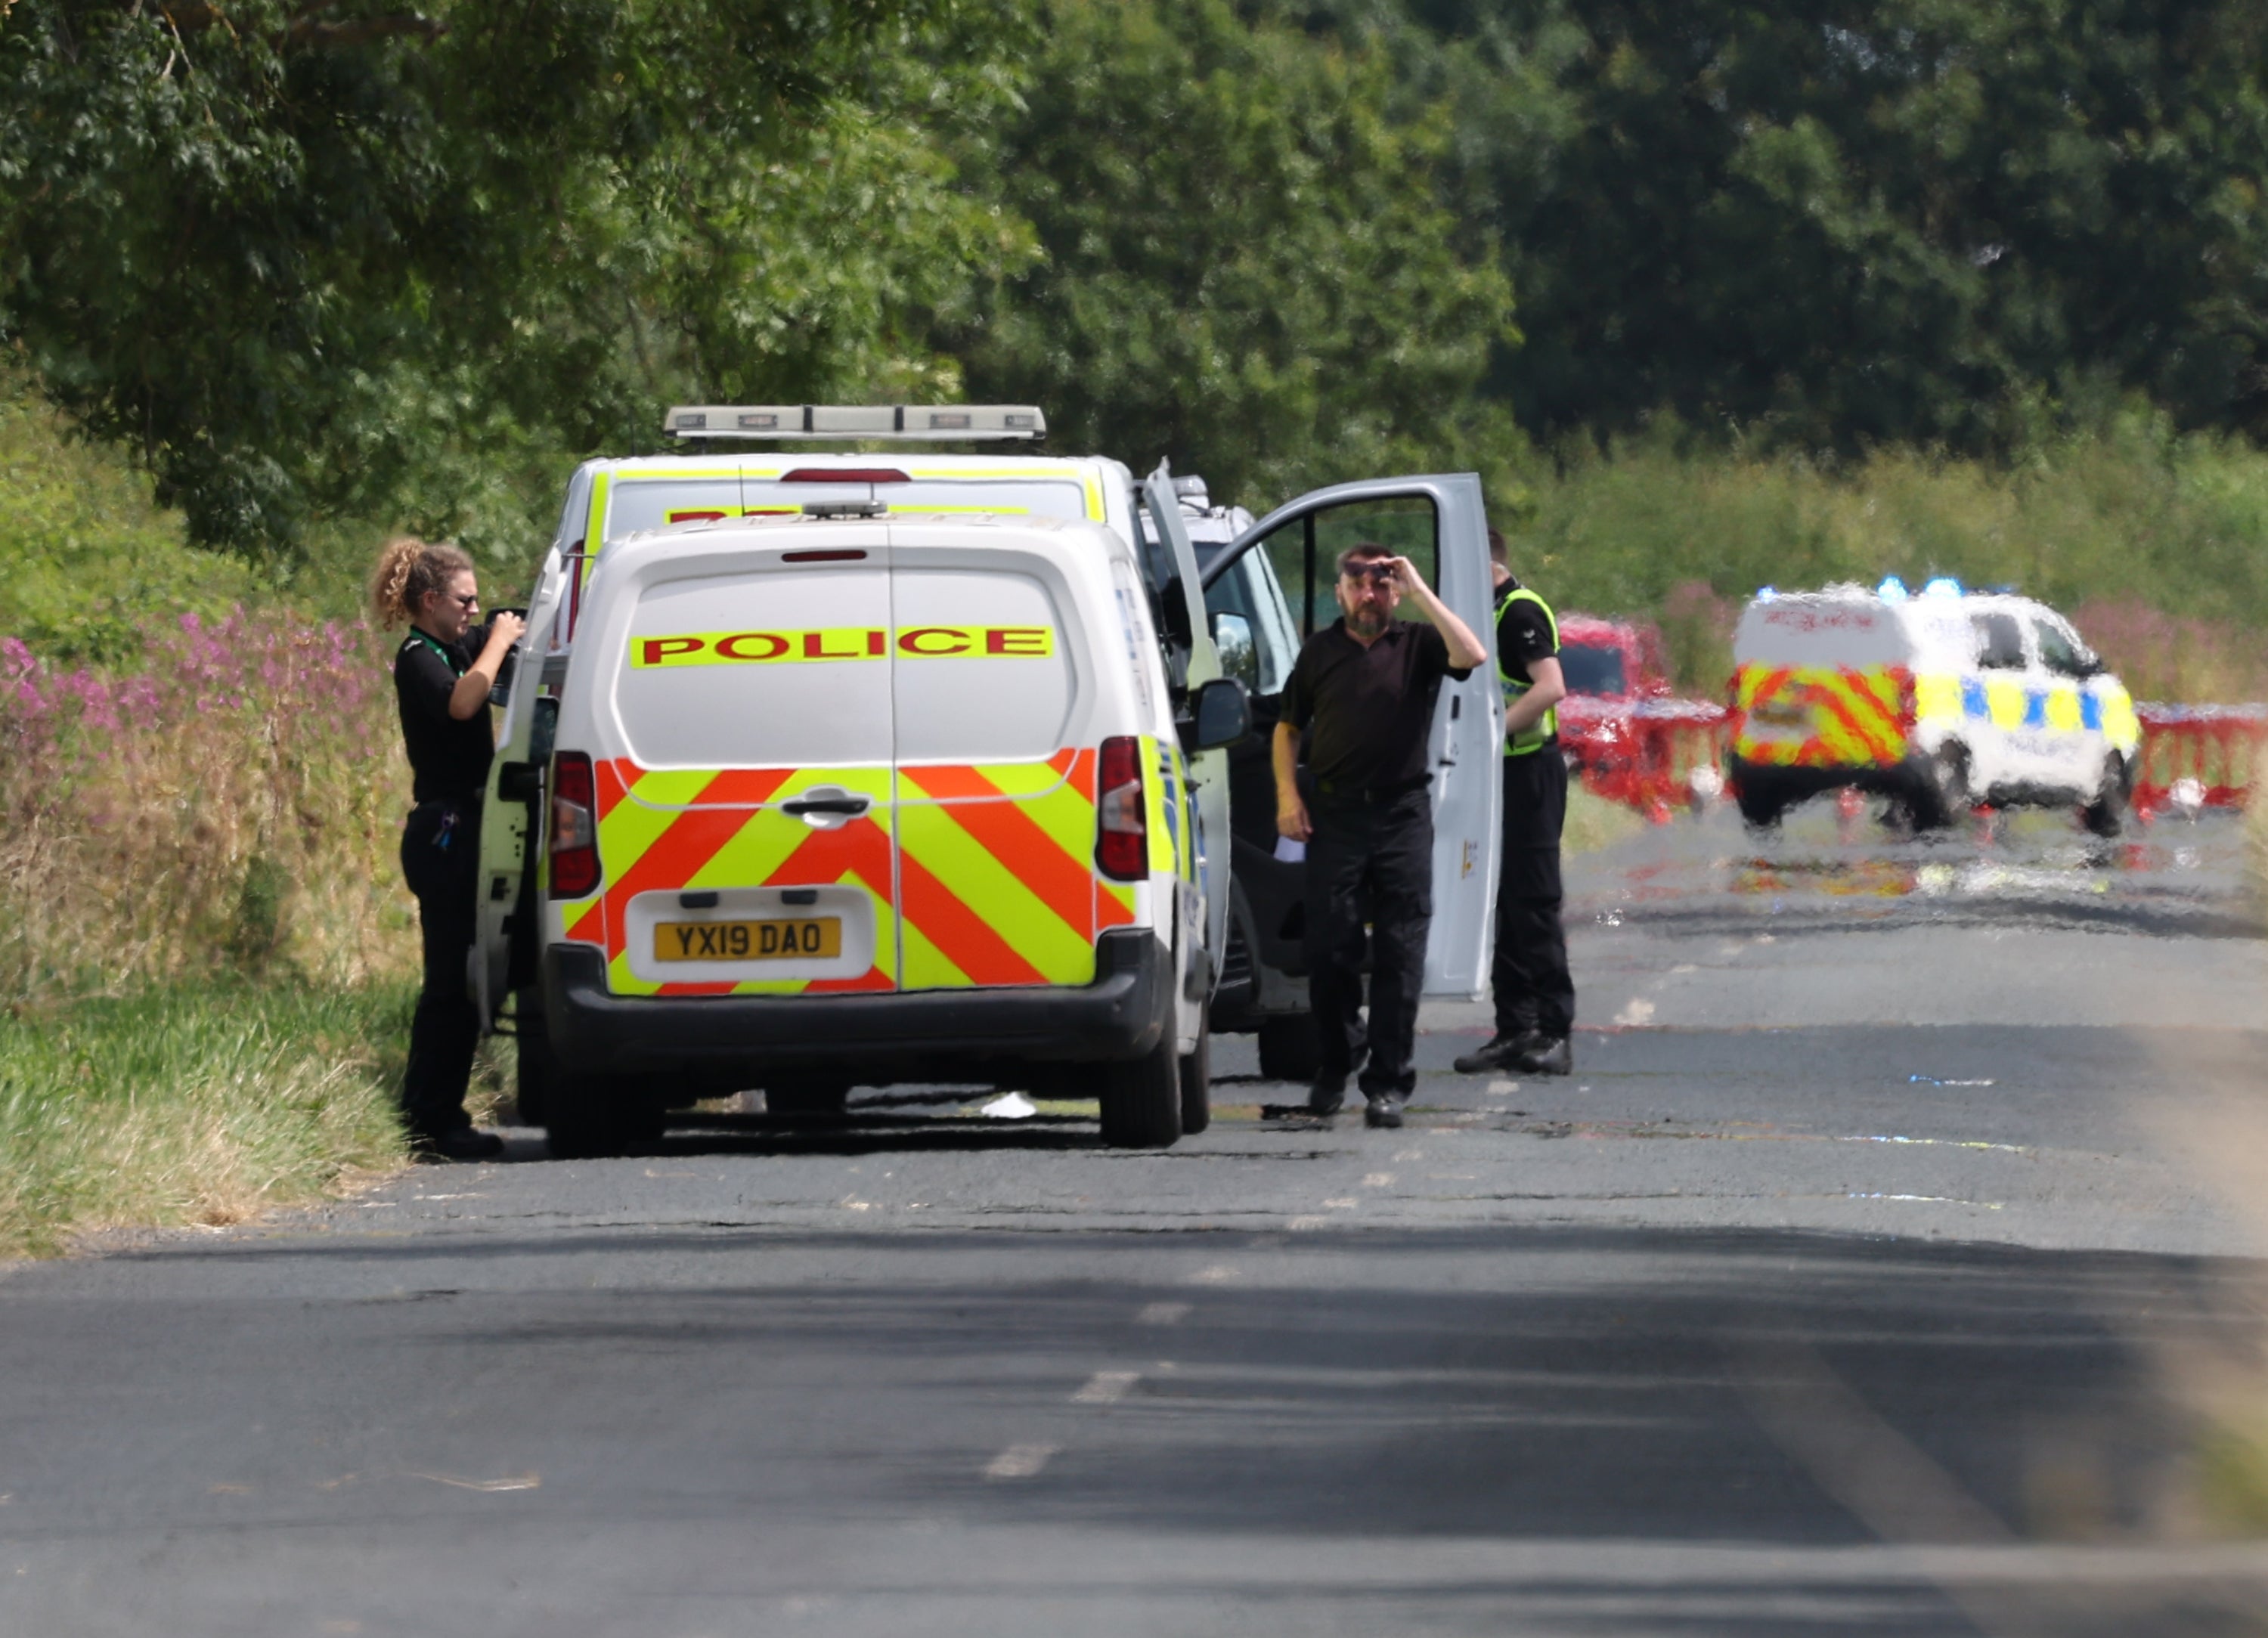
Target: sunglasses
x=470 y=599
x=1375 y=575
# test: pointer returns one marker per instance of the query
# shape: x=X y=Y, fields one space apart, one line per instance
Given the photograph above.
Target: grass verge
x=204 y=1106
x=1594 y=822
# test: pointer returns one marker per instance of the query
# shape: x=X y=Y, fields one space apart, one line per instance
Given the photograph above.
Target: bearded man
x=1361 y=694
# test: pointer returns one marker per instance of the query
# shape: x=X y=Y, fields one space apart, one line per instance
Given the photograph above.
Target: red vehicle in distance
x=1610 y=667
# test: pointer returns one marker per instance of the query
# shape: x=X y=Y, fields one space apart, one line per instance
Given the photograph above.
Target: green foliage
x=182 y=1107
x=1249 y=265
x=1856 y=223
x=2136 y=518
x=310 y=264
x=85 y=556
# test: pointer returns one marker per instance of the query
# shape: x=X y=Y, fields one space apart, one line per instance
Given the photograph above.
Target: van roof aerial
x=923 y=423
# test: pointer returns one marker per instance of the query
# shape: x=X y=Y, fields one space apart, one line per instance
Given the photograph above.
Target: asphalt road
x=1886 y=1267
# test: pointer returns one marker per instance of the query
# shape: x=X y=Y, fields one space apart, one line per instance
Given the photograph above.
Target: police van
x=1940 y=700
x=615 y=727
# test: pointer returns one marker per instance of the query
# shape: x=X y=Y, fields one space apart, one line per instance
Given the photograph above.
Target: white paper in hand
x=1290 y=851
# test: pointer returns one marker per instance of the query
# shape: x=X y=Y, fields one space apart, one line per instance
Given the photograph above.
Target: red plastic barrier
x=1643 y=754
x=2218 y=747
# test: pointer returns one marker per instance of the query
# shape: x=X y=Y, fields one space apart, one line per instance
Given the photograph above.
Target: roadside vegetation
x=1712 y=295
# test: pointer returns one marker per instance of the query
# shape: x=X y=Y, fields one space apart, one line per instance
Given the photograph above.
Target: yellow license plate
x=812 y=938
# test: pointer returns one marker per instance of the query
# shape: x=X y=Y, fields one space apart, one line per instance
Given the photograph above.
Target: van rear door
x=748 y=826
x=1439 y=522
x=992 y=679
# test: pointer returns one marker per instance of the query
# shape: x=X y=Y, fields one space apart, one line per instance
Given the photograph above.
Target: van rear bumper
x=929 y=1035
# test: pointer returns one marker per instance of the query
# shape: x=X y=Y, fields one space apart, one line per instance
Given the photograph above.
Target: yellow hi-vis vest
x=1531 y=738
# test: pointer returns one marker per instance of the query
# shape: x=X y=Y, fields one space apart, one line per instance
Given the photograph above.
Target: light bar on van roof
x=923 y=423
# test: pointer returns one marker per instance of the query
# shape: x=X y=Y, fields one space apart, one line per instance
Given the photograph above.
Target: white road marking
x=1019 y=1461
x=1379 y=1180
x=1217 y=1274
x=486 y=1487
x=1300 y=1225
x=851 y=1203
x=1684 y=966
x=1162 y=1314
x=1498 y=1088
x=1410 y=1154
x=1637 y=1011
x=1106 y=1387
x=1341 y=1205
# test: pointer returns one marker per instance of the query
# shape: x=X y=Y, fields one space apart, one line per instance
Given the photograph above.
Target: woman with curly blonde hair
x=442 y=675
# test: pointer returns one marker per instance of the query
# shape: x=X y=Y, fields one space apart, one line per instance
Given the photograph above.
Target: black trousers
x=1370 y=862
x=440 y=856
x=1532 y=986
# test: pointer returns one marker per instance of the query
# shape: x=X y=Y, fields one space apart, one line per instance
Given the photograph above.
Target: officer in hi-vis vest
x=1535 y=995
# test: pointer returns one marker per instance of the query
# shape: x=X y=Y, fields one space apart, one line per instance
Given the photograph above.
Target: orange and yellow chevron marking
x=672 y=830
x=1845 y=717
x=980 y=875
x=997 y=868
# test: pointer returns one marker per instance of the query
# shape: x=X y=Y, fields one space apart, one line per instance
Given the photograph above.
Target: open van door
x=1440 y=523
x=512 y=811
x=1187 y=628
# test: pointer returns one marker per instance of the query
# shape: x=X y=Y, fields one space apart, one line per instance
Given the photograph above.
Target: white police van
x=1939 y=700
x=1085 y=505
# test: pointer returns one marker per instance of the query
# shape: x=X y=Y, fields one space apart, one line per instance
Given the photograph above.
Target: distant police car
x=1940 y=700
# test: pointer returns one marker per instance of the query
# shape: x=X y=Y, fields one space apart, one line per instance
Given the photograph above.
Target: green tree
x=1843 y=223
x=1249 y=262
x=315 y=260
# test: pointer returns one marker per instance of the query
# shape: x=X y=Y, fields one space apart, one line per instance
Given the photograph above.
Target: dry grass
x=228 y=805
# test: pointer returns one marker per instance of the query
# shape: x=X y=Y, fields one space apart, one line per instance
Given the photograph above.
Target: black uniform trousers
x=440 y=856
x=1532 y=987
x=1369 y=860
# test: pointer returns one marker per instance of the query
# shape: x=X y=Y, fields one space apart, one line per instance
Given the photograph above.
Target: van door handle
x=851 y=805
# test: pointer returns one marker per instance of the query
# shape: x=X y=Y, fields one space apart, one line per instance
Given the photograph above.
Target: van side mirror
x=1220 y=714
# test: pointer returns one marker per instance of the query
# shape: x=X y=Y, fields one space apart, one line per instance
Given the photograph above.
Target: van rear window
x=985 y=666
x=767 y=670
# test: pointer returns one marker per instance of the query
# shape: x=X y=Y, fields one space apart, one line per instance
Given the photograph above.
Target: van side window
x=1248 y=593
x=2058 y=652
x=2000 y=642
x=1303 y=552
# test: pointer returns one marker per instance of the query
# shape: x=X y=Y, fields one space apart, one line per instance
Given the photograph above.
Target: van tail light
x=575 y=872
x=1121 y=837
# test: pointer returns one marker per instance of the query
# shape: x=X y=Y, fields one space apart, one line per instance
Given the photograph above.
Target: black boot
x=1500 y=1054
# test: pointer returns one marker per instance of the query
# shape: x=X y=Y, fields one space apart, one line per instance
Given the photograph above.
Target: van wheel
x=587 y=1117
x=1142 y=1100
x=1942 y=796
x=1761 y=806
x=538 y=1065
x=1290 y=1048
x=2113 y=805
x=1196 y=1080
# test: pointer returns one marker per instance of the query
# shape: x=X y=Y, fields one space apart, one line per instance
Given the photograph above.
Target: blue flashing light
x=1766 y=594
x=1944 y=585
x=1892 y=590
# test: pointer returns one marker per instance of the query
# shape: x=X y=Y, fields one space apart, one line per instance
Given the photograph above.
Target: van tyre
x=1290 y=1048
x=1196 y=1080
x=1761 y=804
x=2113 y=805
x=587 y=1117
x=1941 y=794
x=1142 y=1100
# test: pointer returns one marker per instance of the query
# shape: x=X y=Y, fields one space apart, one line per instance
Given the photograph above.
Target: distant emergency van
x=735 y=691
x=1939 y=700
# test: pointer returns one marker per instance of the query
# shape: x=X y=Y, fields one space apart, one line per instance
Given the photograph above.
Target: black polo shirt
x=448 y=759
x=1366 y=711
